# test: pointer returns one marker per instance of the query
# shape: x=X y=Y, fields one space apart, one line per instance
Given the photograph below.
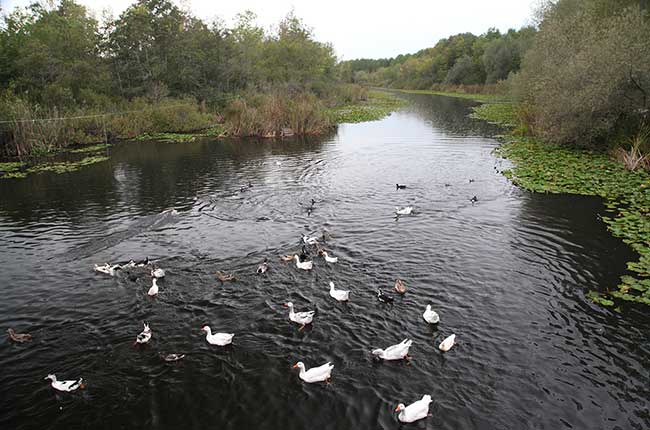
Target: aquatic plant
x=92 y=148
x=12 y=170
x=545 y=168
x=379 y=105
x=66 y=166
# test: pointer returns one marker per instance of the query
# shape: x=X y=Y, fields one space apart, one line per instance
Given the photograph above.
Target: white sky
x=363 y=28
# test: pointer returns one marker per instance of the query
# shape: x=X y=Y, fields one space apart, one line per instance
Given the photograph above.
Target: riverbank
x=478 y=97
x=544 y=168
x=366 y=106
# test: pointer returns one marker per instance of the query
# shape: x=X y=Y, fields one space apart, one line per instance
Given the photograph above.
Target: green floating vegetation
x=214 y=131
x=12 y=170
x=503 y=114
x=92 y=148
x=378 y=106
x=66 y=166
x=544 y=168
x=470 y=96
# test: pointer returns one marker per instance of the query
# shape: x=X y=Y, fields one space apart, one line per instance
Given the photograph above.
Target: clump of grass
x=633 y=157
x=276 y=114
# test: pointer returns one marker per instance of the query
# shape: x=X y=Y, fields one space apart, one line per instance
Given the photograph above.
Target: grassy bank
x=544 y=168
x=271 y=115
x=479 y=97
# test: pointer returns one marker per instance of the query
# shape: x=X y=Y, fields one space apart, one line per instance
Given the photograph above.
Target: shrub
x=587 y=75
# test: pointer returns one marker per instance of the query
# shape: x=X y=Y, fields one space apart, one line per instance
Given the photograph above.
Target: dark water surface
x=507 y=275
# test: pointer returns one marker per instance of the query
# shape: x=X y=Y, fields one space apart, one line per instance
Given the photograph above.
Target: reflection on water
x=506 y=274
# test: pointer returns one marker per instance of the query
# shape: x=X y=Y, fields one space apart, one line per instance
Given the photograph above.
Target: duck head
x=400 y=407
x=299 y=365
x=288 y=305
x=51 y=377
x=377 y=352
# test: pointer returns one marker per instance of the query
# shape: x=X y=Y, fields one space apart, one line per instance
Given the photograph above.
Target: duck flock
x=415 y=411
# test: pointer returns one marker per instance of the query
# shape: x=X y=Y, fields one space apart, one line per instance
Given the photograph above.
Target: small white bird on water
x=145 y=335
x=157 y=272
x=394 y=352
x=315 y=374
x=64 y=385
x=415 y=411
x=404 y=211
x=329 y=258
x=446 y=344
x=304 y=265
x=219 y=339
x=309 y=240
x=154 y=287
x=340 y=295
x=302 y=318
x=108 y=269
x=431 y=316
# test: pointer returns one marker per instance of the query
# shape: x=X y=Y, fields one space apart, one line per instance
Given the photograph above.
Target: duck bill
x=285 y=305
x=295 y=366
x=396 y=409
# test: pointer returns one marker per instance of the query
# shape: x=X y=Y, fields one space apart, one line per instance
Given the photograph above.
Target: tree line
x=462 y=59
x=579 y=76
x=63 y=56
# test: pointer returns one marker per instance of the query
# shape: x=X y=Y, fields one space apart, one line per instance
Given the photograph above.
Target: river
x=507 y=274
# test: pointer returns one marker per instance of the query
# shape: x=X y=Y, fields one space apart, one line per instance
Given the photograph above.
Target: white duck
x=340 y=295
x=309 y=240
x=157 y=272
x=304 y=265
x=220 y=339
x=446 y=344
x=145 y=335
x=154 y=287
x=315 y=374
x=415 y=411
x=302 y=318
x=329 y=258
x=431 y=316
x=65 y=385
x=108 y=269
x=394 y=352
x=404 y=211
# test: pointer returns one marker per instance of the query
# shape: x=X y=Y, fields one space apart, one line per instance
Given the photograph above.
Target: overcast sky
x=361 y=28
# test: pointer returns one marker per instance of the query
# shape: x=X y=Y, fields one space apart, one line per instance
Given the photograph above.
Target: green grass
x=476 y=97
x=379 y=105
x=545 y=168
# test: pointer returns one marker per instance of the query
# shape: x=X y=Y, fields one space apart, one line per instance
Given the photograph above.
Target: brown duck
x=18 y=337
x=225 y=277
x=400 y=286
